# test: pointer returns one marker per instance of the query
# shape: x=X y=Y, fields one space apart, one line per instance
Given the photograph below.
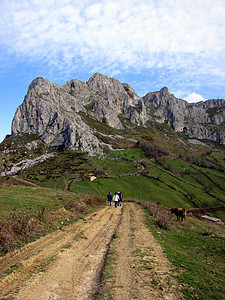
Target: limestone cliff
x=202 y=120
x=49 y=111
x=53 y=112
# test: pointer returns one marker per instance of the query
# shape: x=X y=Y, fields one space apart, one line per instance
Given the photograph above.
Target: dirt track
x=69 y=263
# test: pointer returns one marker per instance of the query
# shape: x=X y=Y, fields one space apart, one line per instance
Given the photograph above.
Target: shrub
x=151 y=151
x=93 y=200
x=162 y=218
x=84 y=204
x=19 y=229
x=161 y=215
x=78 y=206
x=7 y=240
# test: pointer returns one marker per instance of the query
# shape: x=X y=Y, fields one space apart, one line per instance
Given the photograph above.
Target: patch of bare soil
x=68 y=264
x=138 y=267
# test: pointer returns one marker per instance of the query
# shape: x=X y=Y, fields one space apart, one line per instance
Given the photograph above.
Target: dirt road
x=108 y=255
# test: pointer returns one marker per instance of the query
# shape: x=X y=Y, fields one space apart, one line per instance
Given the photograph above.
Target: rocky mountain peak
x=111 y=88
x=56 y=113
x=38 y=83
x=98 y=77
x=165 y=91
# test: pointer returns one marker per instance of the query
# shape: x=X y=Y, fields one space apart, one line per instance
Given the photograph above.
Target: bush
x=162 y=218
x=151 y=151
x=78 y=206
x=7 y=240
x=161 y=215
x=85 y=204
x=93 y=200
x=19 y=229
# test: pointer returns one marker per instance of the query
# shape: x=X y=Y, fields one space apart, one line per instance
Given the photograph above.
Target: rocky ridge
x=54 y=112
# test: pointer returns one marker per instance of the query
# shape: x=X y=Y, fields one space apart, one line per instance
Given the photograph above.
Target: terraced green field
x=39 y=196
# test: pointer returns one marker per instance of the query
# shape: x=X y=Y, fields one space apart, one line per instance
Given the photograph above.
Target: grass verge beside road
x=28 y=213
x=196 y=250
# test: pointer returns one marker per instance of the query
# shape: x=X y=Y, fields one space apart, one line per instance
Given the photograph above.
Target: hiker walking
x=116 y=199
x=120 y=198
x=109 y=197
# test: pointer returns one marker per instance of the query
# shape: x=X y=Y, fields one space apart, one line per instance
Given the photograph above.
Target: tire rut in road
x=137 y=267
x=65 y=276
x=42 y=244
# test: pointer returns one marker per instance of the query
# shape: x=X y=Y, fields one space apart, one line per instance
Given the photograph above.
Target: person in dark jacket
x=109 y=197
x=120 y=198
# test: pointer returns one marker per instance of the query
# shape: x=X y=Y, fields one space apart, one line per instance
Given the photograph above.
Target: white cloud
x=193 y=97
x=186 y=35
x=93 y=11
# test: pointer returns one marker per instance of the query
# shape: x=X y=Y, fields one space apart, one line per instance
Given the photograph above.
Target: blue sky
x=146 y=43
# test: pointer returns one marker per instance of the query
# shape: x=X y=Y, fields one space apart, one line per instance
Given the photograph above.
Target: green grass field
x=139 y=187
x=187 y=182
x=115 y=167
x=131 y=154
x=182 y=184
x=27 y=213
x=28 y=200
x=196 y=250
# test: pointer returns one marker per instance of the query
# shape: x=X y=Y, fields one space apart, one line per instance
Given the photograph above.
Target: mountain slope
x=54 y=112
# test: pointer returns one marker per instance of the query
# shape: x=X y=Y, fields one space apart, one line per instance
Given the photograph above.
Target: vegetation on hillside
x=16 y=148
x=58 y=171
x=184 y=182
x=28 y=212
x=194 y=247
x=152 y=164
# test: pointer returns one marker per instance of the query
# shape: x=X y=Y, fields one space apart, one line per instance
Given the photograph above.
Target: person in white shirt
x=116 y=199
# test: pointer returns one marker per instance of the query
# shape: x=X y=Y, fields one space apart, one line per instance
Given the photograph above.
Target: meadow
x=196 y=250
x=57 y=192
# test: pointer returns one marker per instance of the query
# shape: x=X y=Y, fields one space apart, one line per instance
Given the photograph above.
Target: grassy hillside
x=142 y=172
x=19 y=147
x=28 y=212
x=58 y=171
x=186 y=182
x=196 y=250
x=56 y=192
x=139 y=187
x=22 y=200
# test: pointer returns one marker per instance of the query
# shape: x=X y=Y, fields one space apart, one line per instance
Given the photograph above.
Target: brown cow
x=179 y=212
